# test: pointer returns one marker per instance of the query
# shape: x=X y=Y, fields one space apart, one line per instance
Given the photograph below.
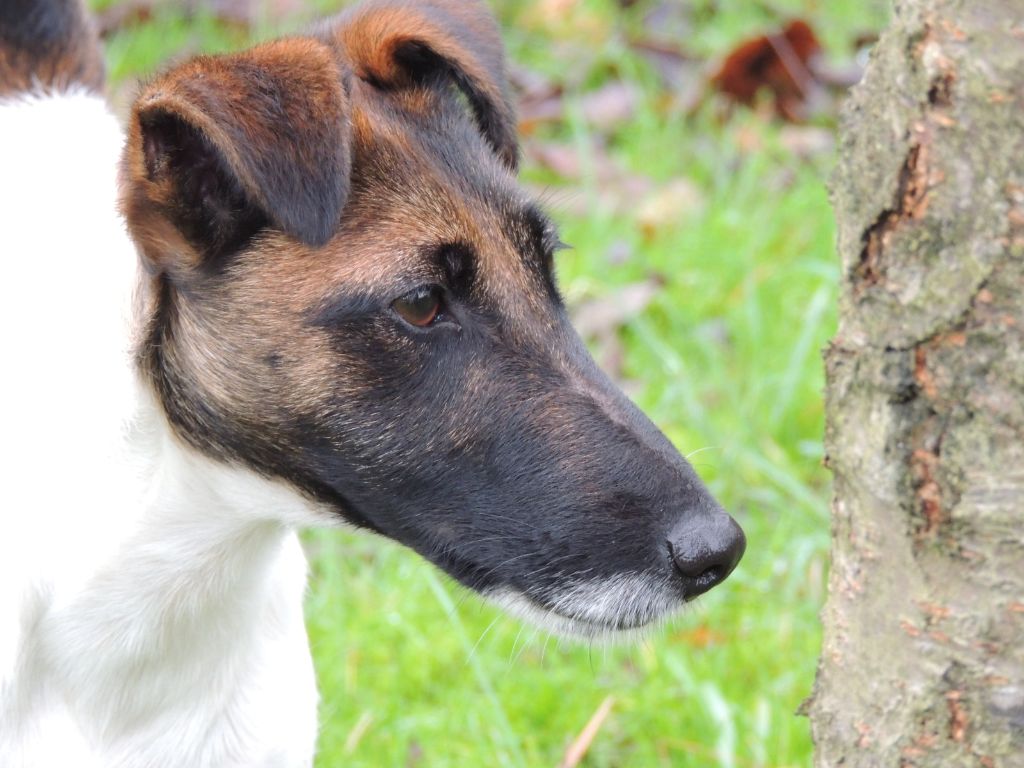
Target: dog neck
x=205 y=581
x=166 y=594
x=190 y=616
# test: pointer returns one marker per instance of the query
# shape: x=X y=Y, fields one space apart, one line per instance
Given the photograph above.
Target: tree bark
x=923 y=656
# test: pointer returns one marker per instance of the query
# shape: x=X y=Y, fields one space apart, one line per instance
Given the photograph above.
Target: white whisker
x=700 y=450
x=621 y=607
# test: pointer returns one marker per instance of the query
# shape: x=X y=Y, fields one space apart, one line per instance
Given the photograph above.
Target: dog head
x=349 y=291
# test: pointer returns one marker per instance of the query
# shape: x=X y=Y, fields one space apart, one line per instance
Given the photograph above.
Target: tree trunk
x=923 y=657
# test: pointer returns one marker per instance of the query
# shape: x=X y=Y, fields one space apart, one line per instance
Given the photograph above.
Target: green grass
x=415 y=672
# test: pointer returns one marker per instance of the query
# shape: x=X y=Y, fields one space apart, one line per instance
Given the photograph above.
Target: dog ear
x=395 y=44
x=223 y=146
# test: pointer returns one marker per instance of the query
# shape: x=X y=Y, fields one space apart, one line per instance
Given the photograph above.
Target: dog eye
x=420 y=307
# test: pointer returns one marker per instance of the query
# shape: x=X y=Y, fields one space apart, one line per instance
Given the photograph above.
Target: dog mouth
x=613 y=608
x=616 y=608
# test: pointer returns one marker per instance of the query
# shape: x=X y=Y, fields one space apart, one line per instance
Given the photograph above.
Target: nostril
x=695 y=568
x=704 y=551
x=712 y=575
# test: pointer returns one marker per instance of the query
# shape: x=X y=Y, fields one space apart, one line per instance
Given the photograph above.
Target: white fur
x=150 y=599
x=624 y=606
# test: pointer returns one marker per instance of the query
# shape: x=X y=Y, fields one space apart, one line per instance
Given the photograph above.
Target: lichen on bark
x=923 y=656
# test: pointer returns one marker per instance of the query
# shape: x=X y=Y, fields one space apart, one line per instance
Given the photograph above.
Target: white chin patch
x=618 y=608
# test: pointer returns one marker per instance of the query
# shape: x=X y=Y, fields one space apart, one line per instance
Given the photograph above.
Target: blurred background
x=684 y=147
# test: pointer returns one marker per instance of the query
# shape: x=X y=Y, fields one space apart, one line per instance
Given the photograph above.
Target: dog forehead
x=423 y=178
x=418 y=150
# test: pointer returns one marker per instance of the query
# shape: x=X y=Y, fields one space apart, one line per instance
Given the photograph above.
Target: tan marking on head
x=425 y=198
x=398 y=45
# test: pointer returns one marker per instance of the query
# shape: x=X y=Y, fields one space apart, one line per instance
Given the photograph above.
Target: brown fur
x=384 y=40
x=48 y=44
x=276 y=116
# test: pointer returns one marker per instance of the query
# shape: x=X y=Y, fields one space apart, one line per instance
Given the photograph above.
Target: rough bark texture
x=923 y=658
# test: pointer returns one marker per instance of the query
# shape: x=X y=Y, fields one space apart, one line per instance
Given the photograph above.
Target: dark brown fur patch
x=48 y=44
x=397 y=44
x=224 y=144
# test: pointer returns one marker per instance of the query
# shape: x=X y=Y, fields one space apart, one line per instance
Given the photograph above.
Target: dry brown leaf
x=539 y=97
x=779 y=63
x=534 y=113
x=568 y=19
x=668 y=205
x=578 y=749
x=599 y=321
x=680 y=73
x=615 y=196
x=114 y=18
x=611 y=105
x=619 y=252
x=669 y=21
x=614 y=190
x=838 y=76
x=531 y=85
x=604 y=316
x=807 y=141
x=239 y=11
x=242 y=14
x=566 y=161
x=700 y=636
x=556 y=9
x=604 y=109
x=749 y=139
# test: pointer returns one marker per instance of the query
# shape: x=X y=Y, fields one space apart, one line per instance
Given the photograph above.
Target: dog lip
x=603 y=626
x=468 y=572
x=481 y=579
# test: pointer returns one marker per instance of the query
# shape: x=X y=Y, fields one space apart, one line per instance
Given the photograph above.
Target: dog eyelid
x=544 y=239
x=421 y=307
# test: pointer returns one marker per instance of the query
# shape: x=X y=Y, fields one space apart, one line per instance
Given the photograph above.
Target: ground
x=702 y=268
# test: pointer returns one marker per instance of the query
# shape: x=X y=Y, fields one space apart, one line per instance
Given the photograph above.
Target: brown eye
x=420 y=307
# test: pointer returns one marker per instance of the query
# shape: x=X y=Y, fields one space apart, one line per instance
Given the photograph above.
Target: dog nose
x=704 y=550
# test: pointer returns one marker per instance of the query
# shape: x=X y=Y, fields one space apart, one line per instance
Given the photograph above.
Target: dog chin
x=619 y=609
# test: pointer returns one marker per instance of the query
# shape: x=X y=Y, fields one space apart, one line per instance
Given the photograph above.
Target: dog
x=300 y=288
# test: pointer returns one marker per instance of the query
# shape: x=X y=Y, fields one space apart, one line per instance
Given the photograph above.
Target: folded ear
x=397 y=44
x=224 y=146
